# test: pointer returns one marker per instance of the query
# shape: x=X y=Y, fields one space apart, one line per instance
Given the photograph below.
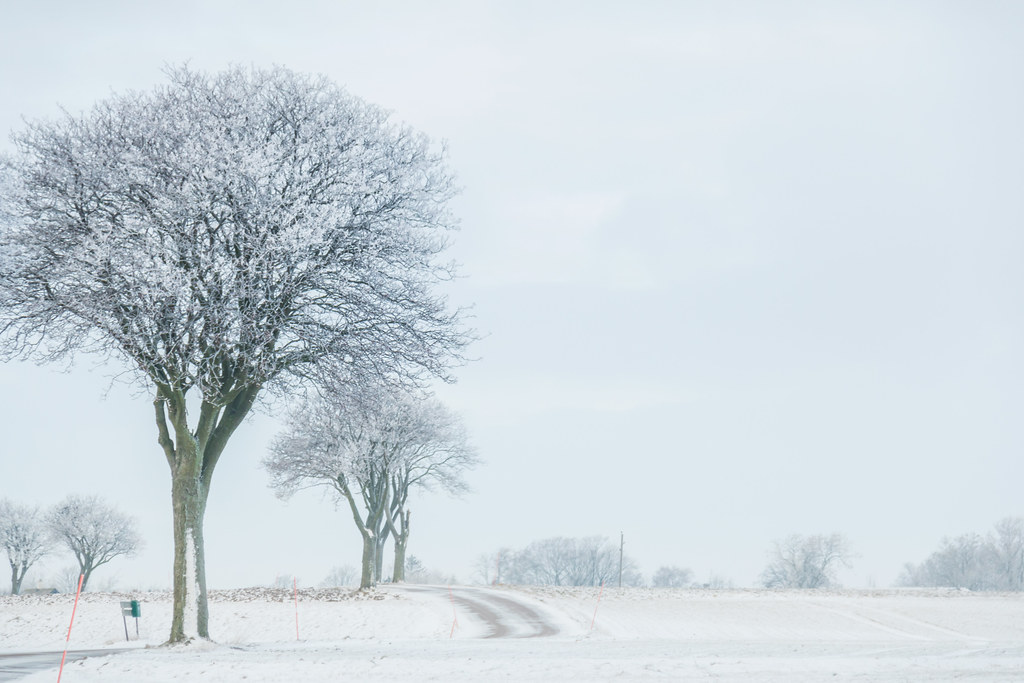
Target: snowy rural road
x=504 y=615
x=18 y=665
x=469 y=634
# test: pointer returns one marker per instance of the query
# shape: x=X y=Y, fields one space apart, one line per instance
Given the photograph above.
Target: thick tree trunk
x=16 y=578
x=369 y=559
x=190 y=614
x=382 y=539
x=401 y=535
x=398 y=575
x=378 y=559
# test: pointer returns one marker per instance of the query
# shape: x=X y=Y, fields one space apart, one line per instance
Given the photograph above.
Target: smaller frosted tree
x=372 y=444
x=436 y=453
x=24 y=536
x=93 y=531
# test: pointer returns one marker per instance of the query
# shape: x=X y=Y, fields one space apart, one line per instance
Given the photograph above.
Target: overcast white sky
x=745 y=270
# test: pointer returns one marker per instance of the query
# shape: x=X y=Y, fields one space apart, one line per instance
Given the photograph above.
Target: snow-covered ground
x=406 y=633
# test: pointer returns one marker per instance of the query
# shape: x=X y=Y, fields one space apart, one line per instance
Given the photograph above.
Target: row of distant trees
x=972 y=561
x=556 y=561
x=795 y=562
x=991 y=562
x=561 y=561
x=94 y=532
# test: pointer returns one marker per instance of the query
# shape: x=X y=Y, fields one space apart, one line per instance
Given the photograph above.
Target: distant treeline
x=994 y=562
x=979 y=563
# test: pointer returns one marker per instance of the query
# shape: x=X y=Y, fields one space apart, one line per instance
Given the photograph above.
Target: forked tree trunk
x=192 y=458
x=85 y=567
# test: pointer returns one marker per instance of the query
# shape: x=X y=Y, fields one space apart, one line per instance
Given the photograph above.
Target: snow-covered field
x=406 y=633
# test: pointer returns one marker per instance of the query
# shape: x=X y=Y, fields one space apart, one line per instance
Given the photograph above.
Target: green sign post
x=131 y=608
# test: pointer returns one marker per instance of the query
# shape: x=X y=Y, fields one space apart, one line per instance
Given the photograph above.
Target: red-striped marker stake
x=295 y=585
x=455 y=617
x=596 y=606
x=81 y=578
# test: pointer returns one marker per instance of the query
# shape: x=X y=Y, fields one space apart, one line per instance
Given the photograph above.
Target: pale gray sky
x=745 y=270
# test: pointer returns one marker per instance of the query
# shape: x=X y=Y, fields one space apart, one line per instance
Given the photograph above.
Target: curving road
x=14 y=666
x=504 y=615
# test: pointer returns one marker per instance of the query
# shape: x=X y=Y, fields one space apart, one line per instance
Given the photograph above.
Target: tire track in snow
x=14 y=665
x=892 y=623
x=504 y=616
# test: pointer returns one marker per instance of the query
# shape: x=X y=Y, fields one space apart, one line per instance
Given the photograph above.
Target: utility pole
x=622 y=543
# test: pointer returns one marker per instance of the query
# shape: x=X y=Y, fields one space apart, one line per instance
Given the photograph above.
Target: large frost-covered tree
x=93 y=531
x=995 y=562
x=806 y=561
x=226 y=234
x=24 y=536
x=372 y=445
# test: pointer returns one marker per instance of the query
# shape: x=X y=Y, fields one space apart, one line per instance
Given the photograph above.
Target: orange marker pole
x=67 y=640
x=596 y=606
x=455 y=618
